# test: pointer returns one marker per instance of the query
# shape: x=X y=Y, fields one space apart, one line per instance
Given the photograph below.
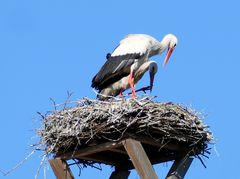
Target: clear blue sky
x=48 y=47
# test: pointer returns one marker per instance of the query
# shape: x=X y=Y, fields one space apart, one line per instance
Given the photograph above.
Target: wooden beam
x=154 y=160
x=170 y=146
x=122 y=163
x=98 y=159
x=139 y=159
x=118 y=151
x=90 y=150
x=61 y=169
x=165 y=145
x=179 y=168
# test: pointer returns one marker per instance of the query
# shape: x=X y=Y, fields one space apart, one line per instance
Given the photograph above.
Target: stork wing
x=114 y=69
x=135 y=43
x=118 y=65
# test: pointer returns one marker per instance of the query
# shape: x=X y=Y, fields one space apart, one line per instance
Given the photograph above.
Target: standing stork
x=133 y=51
x=118 y=87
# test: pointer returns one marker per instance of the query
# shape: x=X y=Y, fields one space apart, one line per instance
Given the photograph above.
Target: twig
x=41 y=164
x=68 y=98
x=201 y=161
x=19 y=164
x=98 y=94
x=54 y=104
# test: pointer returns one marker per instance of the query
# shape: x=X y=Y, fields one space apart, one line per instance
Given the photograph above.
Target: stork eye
x=175 y=45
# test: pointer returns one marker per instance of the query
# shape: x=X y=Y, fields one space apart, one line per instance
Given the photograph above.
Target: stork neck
x=164 y=44
x=157 y=49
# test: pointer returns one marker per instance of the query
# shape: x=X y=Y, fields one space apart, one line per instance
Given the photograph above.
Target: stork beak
x=170 y=50
x=151 y=81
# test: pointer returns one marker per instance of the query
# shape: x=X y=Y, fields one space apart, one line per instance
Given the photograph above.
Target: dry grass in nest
x=93 y=121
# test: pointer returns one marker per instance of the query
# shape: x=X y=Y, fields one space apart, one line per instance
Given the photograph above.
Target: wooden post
x=179 y=168
x=139 y=159
x=61 y=169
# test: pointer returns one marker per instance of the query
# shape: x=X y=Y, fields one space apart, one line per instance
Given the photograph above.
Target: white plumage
x=133 y=51
x=135 y=43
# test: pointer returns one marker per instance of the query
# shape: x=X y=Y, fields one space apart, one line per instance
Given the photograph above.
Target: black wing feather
x=114 y=69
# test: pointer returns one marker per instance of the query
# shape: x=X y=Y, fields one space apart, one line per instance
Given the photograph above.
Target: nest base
x=128 y=154
x=114 y=153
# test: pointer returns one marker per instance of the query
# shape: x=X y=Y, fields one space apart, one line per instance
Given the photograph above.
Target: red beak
x=170 y=50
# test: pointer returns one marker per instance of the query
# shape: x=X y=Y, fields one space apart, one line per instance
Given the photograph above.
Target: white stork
x=133 y=51
x=118 y=87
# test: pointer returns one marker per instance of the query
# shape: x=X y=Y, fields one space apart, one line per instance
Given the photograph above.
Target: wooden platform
x=127 y=154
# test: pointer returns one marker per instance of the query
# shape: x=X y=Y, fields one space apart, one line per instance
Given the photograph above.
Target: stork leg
x=121 y=94
x=121 y=90
x=131 y=83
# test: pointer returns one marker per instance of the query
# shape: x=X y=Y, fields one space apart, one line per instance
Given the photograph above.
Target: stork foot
x=144 y=89
x=134 y=96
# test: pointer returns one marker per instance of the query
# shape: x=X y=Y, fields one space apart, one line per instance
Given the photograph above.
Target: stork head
x=169 y=41
x=153 y=68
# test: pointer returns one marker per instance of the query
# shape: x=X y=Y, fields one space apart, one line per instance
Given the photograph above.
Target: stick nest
x=91 y=122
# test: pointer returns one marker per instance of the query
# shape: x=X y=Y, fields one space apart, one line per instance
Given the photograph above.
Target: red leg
x=121 y=94
x=121 y=91
x=131 y=83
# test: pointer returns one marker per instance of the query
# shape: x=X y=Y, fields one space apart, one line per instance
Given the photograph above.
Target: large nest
x=94 y=121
